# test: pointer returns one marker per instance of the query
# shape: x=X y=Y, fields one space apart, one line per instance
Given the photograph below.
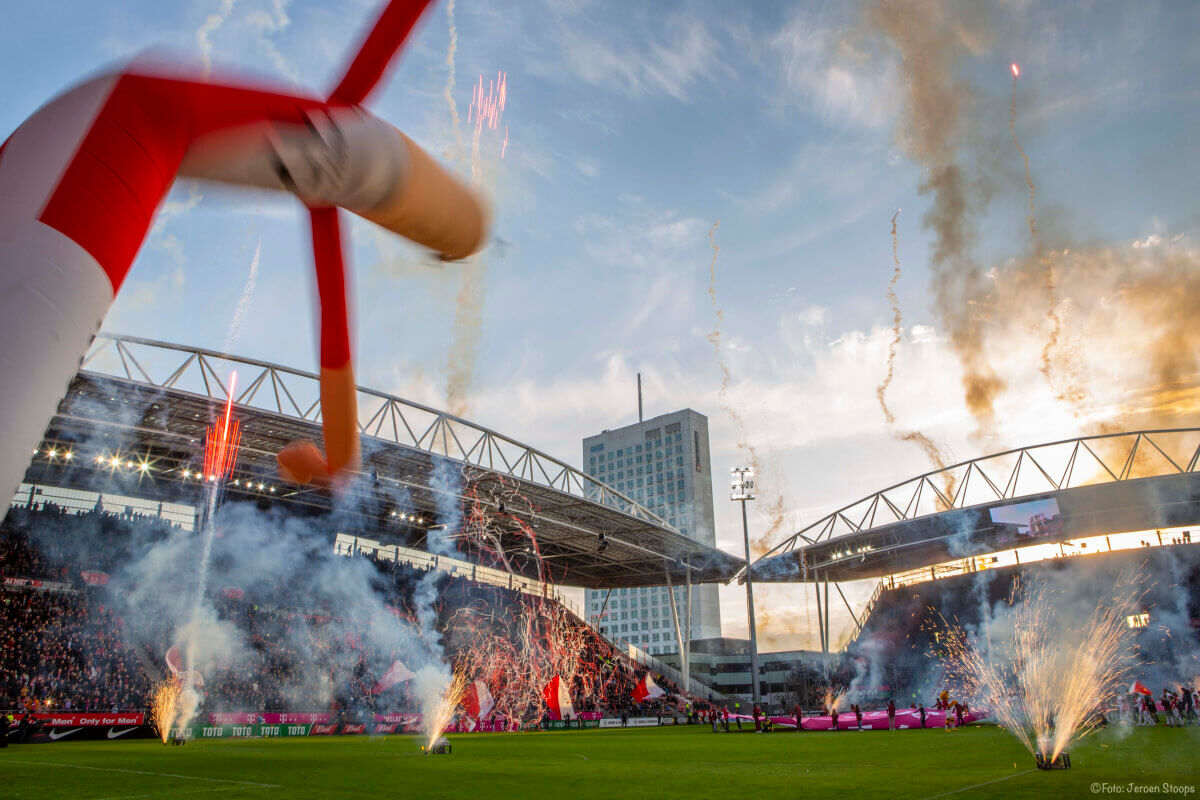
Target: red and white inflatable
x=81 y=180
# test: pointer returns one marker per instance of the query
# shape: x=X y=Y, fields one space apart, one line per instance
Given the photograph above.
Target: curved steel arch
x=1022 y=471
x=295 y=393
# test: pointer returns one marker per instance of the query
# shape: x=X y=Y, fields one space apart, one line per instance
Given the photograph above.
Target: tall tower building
x=663 y=463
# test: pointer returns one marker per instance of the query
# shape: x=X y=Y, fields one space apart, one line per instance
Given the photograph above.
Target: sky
x=642 y=136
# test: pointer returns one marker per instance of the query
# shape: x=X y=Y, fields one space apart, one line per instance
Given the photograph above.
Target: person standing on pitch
x=857 y=715
x=921 y=711
x=799 y=714
x=891 y=716
x=833 y=715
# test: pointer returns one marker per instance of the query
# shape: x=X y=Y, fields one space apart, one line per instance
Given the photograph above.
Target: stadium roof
x=1109 y=483
x=140 y=401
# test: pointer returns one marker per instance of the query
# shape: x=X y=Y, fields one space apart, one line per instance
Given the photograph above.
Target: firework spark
x=164 y=707
x=1052 y=676
x=437 y=718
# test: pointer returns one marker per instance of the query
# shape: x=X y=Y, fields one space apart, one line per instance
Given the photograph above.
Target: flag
x=478 y=700
x=175 y=664
x=1137 y=687
x=558 y=699
x=94 y=577
x=397 y=673
x=647 y=689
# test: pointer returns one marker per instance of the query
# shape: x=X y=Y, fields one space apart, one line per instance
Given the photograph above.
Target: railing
x=861 y=621
x=1020 y=472
x=294 y=393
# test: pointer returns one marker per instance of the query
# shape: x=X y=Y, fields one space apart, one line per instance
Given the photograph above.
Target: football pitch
x=683 y=761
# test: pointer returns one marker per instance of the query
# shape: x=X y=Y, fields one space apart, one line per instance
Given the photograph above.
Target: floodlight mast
x=741 y=490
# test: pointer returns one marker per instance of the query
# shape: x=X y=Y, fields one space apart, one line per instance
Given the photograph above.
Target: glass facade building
x=664 y=464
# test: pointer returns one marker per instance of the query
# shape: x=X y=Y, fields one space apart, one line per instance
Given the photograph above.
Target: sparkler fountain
x=437 y=718
x=177 y=703
x=1052 y=675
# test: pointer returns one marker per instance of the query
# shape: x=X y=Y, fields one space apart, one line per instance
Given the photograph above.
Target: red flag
x=397 y=673
x=558 y=699
x=647 y=689
x=1137 y=687
x=478 y=700
x=94 y=577
x=175 y=664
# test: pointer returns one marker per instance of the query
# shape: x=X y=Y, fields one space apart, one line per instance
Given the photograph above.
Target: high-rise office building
x=663 y=463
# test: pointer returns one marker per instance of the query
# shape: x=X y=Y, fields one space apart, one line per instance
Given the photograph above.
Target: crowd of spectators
x=64 y=648
x=57 y=651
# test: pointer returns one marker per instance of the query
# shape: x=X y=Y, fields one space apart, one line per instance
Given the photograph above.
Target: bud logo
x=382 y=728
x=355 y=729
x=318 y=730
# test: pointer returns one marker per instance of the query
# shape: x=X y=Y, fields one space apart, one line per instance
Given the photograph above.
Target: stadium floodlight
x=742 y=489
x=742 y=484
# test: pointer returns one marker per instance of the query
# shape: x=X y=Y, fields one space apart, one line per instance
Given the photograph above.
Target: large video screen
x=1033 y=519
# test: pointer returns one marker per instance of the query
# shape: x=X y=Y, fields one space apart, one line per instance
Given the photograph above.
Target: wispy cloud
x=670 y=61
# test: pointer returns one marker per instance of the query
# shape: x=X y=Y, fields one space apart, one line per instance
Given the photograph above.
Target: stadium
x=226 y=575
x=121 y=468
x=954 y=541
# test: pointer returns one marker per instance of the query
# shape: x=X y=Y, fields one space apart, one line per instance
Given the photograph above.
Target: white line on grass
x=172 y=793
x=138 y=772
x=977 y=785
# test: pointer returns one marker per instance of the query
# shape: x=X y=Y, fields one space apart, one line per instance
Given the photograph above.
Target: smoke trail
x=932 y=41
x=468 y=312
x=212 y=24
x=897 y=320
x=776 y=511
x=448 y=92
x=239 y=315
x=1065 y=385
x=936 y=454
x=464 y=339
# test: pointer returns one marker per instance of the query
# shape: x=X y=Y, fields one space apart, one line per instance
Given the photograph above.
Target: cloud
x=822 y=68
x=671 y=58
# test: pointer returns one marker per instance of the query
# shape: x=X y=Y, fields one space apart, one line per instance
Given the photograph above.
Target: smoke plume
x=932 y=41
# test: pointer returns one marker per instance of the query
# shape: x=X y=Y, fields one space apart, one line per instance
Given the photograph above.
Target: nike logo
x=55 y=735
x=112 y=735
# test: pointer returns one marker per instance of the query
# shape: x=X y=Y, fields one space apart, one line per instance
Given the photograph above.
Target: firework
x=437 y=718
x=221 y=442
x=1052 y=676
x=220 y=453
x=164 y=707
x=833 y=698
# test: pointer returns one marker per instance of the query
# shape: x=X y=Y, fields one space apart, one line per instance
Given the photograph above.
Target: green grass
x=651 y=763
